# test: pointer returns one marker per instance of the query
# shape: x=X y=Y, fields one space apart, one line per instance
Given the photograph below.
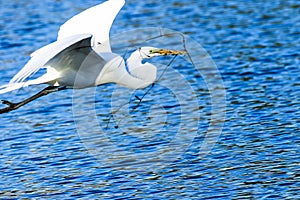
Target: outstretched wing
x=96 y=20
x=41 y=56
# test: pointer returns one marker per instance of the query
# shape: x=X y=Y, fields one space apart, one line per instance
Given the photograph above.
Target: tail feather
x=45 y=79
x=12 y=86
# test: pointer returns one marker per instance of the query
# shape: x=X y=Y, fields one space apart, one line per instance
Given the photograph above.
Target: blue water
x=58 y=148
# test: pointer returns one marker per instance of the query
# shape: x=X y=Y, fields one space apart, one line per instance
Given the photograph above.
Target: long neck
x=144 y=72
x=133 y=75
x=134 y=61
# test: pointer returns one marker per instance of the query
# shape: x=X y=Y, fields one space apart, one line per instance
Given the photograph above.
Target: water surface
x=255 y=46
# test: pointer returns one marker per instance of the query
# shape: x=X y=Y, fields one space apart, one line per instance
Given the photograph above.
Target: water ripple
x=256 y=48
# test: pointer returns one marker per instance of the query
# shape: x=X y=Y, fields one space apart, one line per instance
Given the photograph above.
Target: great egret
x=81 y=57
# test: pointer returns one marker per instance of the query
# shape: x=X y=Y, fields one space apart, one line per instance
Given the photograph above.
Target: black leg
x=13 y=106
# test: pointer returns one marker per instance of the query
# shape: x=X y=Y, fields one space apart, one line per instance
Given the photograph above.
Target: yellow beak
x=167 y=52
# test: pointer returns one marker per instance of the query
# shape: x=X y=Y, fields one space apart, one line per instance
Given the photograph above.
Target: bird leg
x=13 y=106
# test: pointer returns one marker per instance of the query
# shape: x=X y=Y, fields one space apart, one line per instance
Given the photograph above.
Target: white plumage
x=81 y=57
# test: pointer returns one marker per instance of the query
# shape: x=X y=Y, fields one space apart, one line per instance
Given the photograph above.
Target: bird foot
x=10 y=104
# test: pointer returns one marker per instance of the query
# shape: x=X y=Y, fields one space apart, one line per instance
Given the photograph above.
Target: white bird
x=81 y=56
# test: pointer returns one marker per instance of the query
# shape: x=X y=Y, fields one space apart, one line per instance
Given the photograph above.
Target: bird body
x=81 y=56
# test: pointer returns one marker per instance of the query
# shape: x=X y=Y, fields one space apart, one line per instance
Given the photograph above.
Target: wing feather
x=41 y=56
x=96 y=20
